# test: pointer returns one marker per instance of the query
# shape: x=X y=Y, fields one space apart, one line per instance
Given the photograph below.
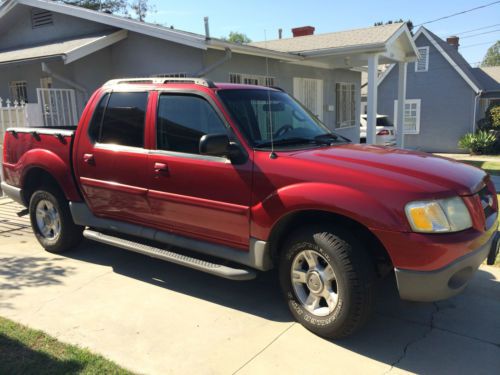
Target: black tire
x=354 y=280
x=70 y=234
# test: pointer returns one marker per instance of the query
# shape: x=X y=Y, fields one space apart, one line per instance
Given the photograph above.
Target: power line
x=486 y=32
x=458 y=13
x=477 y=44
x=479 y=28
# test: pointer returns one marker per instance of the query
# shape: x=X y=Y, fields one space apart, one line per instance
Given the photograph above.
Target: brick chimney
x=303 y=31
x=453 y=41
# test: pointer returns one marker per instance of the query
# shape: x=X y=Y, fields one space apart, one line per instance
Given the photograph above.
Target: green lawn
x=492 y=167
x=27 y=351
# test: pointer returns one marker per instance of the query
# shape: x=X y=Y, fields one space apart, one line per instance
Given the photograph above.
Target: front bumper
x=428 y=286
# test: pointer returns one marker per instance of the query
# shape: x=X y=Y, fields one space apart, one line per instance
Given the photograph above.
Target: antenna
x=272 y=155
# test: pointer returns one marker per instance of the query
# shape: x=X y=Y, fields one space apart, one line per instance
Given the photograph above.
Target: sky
x=260 y=18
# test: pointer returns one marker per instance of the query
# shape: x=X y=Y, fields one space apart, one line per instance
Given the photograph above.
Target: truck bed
x=47 y=147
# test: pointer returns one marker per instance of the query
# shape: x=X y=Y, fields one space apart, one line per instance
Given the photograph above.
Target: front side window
x=119 y=119
x=183 y=120
x=266 y=116
x=19 y=91
x=411 y=116
x=345 y=94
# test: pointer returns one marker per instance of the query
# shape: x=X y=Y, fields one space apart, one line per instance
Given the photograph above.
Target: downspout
x=209 y=68
x=475 y=108
x=83 y=90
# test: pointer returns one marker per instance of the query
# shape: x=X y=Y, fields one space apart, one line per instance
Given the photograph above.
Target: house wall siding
x=447 y=102
x=16 y=30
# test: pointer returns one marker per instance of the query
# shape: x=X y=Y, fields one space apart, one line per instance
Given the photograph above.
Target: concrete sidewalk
x=156 y=318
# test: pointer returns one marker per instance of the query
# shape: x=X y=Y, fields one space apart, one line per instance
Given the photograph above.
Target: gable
x=16 y=29
x=443 y=57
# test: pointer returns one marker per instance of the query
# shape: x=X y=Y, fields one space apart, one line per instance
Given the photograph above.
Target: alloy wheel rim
x=48 y=219
x=314 y=283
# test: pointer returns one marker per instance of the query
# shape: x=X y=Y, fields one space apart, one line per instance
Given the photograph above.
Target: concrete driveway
x=157 y=318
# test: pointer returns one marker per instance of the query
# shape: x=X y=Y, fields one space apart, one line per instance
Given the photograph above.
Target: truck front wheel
x=328 y=280
x=52 y=222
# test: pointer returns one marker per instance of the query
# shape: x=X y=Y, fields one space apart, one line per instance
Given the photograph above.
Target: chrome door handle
x=89 y=159
x=161 y=169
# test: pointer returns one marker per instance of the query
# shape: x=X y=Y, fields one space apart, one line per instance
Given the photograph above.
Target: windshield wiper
x=329 y=138
x=287 y=141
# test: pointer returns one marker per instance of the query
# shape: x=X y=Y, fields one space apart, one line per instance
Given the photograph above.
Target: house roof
x=369 y=36
x=457 y=59
x=69 y=50
x=477 y=80
x=353 y=41
x=489 y=77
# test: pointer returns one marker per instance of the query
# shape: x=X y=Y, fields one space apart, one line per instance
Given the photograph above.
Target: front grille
x=487 y=200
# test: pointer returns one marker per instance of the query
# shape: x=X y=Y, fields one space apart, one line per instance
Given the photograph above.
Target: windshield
x=265 y=115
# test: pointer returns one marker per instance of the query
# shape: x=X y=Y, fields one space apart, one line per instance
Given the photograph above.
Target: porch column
x=371 y=125
x=400 y=139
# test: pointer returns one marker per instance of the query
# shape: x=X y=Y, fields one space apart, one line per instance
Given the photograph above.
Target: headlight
x=442 y=215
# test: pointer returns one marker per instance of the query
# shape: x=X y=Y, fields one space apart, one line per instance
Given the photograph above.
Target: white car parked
x=385 y=134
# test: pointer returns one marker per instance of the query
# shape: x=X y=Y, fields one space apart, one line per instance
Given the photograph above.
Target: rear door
x=195 y=195
x=111 y=159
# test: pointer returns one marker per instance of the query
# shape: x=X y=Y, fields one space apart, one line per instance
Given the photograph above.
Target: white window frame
x=15 y=88
x=417 y=70
x=252 y=79
x=418 y=103
x=345 y=120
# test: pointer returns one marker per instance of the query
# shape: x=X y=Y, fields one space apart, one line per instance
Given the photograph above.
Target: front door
x=194 y=195
x=111 y=158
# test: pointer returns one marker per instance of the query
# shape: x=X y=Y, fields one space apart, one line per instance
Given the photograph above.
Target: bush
x=491 y=120
x=482 y=142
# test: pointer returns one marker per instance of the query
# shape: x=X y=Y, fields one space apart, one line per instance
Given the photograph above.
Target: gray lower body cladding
x=257 y=257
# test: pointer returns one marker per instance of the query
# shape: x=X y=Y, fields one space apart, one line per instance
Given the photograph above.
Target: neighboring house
x=445 y=96
x=55 y=55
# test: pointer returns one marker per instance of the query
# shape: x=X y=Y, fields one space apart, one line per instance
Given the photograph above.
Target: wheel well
x=35 y=179
x=292 y=221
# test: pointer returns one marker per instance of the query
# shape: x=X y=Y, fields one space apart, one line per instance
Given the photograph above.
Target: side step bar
x=170 y=256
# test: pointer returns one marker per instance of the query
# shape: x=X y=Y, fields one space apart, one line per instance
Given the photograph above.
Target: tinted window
x=123 y=121
x=95 y=123
x=183 y=120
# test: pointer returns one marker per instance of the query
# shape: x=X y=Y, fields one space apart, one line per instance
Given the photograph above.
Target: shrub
x=491 y=118
x=480 y=143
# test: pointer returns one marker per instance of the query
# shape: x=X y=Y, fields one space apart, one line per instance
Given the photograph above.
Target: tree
x=141 y=8
x=109 y=6
x=236 y=37
x=492 y=57
x=390 y=22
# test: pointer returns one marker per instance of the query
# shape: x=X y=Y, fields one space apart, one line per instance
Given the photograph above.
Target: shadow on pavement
x=453 y=336
x=24 y=272
x=260 y=296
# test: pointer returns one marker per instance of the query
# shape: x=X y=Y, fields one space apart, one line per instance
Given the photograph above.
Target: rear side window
x=120 y=119
x=183 y=120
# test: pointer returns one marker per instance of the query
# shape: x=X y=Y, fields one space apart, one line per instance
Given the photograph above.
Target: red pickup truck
x=234 y=179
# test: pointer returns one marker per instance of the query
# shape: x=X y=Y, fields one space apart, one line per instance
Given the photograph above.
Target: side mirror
x=214 y=145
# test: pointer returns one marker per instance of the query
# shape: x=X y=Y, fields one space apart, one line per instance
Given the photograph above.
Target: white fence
x=12 y=114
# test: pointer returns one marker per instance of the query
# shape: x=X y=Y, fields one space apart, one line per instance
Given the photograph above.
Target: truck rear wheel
x=51 y=221
x=328 y=280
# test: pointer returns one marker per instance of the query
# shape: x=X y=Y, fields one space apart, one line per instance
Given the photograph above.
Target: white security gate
x=309 y=92
x=58 y=106
x=12 y=114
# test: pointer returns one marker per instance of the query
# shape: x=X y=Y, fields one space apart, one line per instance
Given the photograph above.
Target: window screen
x=183 y=120
x=123 y=121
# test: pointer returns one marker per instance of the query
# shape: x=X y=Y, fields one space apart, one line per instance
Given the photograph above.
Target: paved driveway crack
x=264 y=348
x=412 y=342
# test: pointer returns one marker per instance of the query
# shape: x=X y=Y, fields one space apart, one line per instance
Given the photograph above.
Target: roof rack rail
x=162 y=80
